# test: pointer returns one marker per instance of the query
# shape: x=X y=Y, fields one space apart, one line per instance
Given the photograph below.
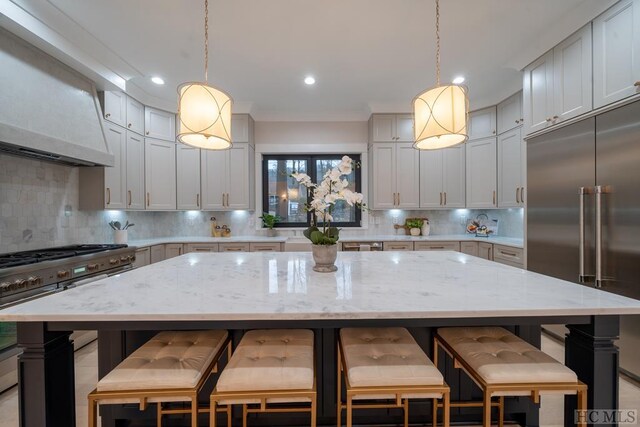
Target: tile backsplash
x=39 y=208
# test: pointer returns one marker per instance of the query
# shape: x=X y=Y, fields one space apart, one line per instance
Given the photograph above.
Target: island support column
x=591 y=353
x=45 y=377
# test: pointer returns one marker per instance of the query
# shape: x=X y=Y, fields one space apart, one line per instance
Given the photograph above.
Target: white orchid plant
x=332 y=189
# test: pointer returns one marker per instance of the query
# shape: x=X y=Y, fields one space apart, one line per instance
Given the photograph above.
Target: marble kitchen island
x=239 y=291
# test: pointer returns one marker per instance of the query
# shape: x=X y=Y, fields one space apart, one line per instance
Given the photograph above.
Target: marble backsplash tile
x=39 y=208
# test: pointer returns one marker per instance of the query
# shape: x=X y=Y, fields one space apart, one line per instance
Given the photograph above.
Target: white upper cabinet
x=481 y=173
x=616 y=53
x=395 y=175
x=228 y=178
x=159 y=124
x=391 y=127
x=407 y=176
x=135 y=116
x=135 y=171
x=538 y=93
x=115 y=107
x=115 y=177
x=511 y=169
x=188 y=177
x=214 y=178
x=510 y=113
x=442 y=178
x=160 y=174
x=241 y=128
x=572 y=76
x=482 y=123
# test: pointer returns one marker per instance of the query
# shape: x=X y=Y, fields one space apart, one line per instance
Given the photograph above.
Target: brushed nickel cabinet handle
x=548 y=119
x=511 y=254
x=521 y=194
x=129 y=125
x=517 y=195
x=108 y=196
x=398 y=199
x=517 y=121
x=106 y=116
x=555 y=117
x=198 y=200
x=222 y=199
x=148 y=199
x=445 y=198
x=129 y=197
x=441 y=198
x=494 y=197
x=147 y=132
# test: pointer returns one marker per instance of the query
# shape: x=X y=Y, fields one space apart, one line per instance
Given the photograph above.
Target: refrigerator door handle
x=599 y=191
x=582 y=191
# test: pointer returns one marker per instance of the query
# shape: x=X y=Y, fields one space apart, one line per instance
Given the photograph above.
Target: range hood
x=48 y=111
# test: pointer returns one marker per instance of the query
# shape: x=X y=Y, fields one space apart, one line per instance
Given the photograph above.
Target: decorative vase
x=415 y=231
x=324 y=257
x=272 y=232
x=426 y=229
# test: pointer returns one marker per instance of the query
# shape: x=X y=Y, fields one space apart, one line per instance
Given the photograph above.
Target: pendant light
x=204 y=112
x=440 y=113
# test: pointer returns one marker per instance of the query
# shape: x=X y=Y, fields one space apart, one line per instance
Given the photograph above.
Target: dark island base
x=46 y=371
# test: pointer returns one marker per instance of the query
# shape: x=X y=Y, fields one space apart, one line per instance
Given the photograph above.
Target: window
x=283 y=196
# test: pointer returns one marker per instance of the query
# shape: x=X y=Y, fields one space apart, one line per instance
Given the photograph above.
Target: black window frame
x=311 y=171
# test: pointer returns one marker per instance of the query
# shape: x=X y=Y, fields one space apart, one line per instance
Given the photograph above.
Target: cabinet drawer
x=265 y=247
x=202 y=247
x=508 y=255
x=469 y=248
x=437 y=246
x=397 y=246
x=485 y=250
x=234 y=247
x=172 y=250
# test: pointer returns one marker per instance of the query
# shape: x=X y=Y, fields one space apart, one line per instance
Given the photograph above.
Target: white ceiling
x=367 y=55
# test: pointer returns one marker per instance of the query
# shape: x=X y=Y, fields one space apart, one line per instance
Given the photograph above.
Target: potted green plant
x=414 y=226
x=268 y=222
x=324 y=196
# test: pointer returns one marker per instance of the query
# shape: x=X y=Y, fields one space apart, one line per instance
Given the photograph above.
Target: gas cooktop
x=31 y=257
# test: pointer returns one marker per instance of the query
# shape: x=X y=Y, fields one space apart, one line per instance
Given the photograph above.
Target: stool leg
x=229 y=416
x=434 y=412
x=406 y=412
x=582 y=406
x=501 y=412
x=194 y=411
x=486 y=409
x=339 y=385
x=212 y=413
x=159 y=414
x=313 y=411
x=244 y=415
x=93 y=413
x=349 y=412
x=446 y=409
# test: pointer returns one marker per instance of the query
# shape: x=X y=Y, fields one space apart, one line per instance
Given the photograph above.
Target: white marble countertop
x=507 y=241
x=283 y=286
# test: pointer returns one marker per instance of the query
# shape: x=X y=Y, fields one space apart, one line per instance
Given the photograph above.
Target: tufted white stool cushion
x=270 y=360
x=170 y=360
x=386 y=357
x=499 y=356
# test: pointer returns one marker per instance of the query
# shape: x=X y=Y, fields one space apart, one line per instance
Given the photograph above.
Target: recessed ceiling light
x=157 y=80
x=458 y=80
x=309 y=80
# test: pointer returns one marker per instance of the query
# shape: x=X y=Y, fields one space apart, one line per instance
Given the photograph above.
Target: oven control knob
x=4 y=286
x=31 y=281
x=92 y=267
x=20 y=283
x=124 y=258
x=114 y=261
x=62 y=274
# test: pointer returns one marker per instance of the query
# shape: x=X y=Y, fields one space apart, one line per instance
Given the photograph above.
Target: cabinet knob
x=555 y=117
x=548 y=119
x=129 y=125
x=517 y=121
x=494 y=132
x=107 y=115
x=147 y=132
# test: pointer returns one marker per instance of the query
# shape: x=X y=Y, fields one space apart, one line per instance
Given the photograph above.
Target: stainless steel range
x=34 y=274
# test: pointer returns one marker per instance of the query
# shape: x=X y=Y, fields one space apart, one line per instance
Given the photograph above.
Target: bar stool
x=269 y=367
x=387 y=364
x=171 y=367
x=502 y=364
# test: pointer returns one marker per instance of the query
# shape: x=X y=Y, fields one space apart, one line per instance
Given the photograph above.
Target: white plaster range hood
x=47 y=110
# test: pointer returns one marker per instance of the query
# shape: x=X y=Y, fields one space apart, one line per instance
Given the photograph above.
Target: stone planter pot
x=272 y=232
x=414 y=231
x=325 y=258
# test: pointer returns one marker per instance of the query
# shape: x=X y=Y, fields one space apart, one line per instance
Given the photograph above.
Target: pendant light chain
x=437 y=42
x=206 y=40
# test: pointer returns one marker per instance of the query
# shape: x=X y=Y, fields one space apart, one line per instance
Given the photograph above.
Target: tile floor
x=551 y=412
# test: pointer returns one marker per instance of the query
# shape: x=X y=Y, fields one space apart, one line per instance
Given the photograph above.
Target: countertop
x=283 y=286
x=507 y=241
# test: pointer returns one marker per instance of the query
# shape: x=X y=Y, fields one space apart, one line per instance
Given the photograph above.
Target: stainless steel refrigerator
x=583 y=210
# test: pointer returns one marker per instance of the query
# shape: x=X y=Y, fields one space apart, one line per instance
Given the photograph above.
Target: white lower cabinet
x=481 y=173
x=188 y=177
x=265 y=247
x=437 y=246
x=470 y=248
x=157 y=253
x=201 y=247
x=511 y=165
x=172 y=250
x=397 y=246
x=143 y=257
x=508 y=255
x=233 y=247
x=485 y=251
x=160 y=174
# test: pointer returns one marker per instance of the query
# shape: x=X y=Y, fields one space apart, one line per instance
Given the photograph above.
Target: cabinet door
x=157 y=253
x=537 y=93
x=407 y=175
x=383 y=128
x=160 y=174
x=240 y=128
x=188 y=177
x=172 y=250
x=485 y=250
x=115 y=176
x=431 y=175
x=510 y=169
x=482 y=123
x=143 y=257
x=135 y=171
x=397 y=246
x=213 y=172
x=572 y=81
x=469 y=248
x=616 y=53
x=238 y=176
x=384 y=175
x=404 y=127
x=481 y=173
x=437 y=246
x=202 y=247
x=453 y=177
x=115 y=107
x=510 y=113
x=135 y=116
x=159 y=124
x=234 y=247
